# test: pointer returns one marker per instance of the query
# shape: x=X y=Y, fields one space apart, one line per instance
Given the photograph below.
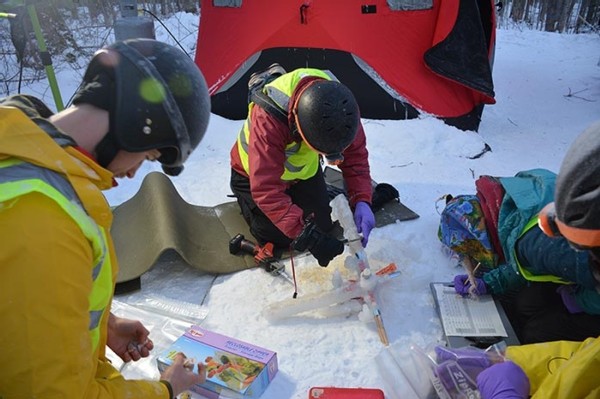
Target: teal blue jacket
x=525 y=195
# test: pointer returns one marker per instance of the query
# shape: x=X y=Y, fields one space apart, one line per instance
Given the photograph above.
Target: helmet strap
x=98 y=90
x=294 y=131
x=296 y=127
x=334 y=159
x=107 y=149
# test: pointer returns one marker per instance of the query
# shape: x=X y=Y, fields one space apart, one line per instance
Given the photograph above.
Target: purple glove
x=458 y=368
x=462 y=286
x=467 y=357
x=457 y=382
x=503 y=380
x=567 y=294
x=364 y=220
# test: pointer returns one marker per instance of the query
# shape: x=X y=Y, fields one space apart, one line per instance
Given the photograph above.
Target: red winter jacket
x=268 y=139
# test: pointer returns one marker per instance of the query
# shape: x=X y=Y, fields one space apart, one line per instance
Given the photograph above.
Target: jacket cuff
x=360 y=198
x=169 y=388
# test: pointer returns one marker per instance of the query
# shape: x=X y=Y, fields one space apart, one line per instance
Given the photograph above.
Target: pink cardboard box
x=235 y=368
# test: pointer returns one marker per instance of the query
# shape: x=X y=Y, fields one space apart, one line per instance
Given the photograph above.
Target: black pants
x=310 y=195
x=538 y=314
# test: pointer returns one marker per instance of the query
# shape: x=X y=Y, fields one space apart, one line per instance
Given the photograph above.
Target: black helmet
x=159 y=101
x=327 y=117
x=575 y=213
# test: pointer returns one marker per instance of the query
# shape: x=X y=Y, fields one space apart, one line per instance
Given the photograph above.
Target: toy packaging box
x=234 y=369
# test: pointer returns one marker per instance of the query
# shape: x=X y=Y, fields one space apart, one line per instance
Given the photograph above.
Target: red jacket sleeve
x=355 y=169
x=266 y=157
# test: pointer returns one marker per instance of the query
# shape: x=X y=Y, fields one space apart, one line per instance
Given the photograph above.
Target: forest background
x=64 y=23
x=547 y=92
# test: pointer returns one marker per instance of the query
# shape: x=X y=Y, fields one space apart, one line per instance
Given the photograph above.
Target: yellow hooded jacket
x=47 y=261
x=560 y=369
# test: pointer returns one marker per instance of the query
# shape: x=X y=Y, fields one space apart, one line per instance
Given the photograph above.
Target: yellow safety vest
x=21 y=178
x=301 y=162
x=526 y=273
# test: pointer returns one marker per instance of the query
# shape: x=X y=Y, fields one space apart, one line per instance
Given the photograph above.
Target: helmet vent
x=147 y=129
x=326 y=116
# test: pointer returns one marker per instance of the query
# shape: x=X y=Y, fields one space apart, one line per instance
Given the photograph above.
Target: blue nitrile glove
x=364 y=220
x=504 y=380
x=567 y=295
x=462 y=285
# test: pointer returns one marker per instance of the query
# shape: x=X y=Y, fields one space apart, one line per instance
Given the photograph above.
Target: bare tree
x=554 y=15
x=518 y=9
x=565 y=15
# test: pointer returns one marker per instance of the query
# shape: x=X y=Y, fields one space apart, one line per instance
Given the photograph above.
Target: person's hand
x=456 y=366
x=322 y=246
x=567 y=295
x=128 y=338
x=364 y=220
x=181 y=374
x=504 y=380
x=463 y=286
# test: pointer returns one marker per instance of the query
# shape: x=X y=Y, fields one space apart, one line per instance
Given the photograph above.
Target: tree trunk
x=565 y=16
x=593 y=13
x=518 y=10
x=527 y=14
x=543 y=7
x=552 y=11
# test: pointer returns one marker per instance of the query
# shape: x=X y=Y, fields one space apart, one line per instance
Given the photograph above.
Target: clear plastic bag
x=402 y=380
x=166 y=319
x=453 y=371
x=413 y=372
x=160 y=304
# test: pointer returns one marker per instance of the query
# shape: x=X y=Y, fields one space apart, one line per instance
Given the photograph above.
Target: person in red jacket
x=276 y=163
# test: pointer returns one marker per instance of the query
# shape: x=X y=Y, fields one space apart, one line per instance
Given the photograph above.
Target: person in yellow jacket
x=140 y=100
x=560 y=369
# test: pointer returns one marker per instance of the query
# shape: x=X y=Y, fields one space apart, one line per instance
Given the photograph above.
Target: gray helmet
x=327 y=116
x=159 y=101
x=575 y=213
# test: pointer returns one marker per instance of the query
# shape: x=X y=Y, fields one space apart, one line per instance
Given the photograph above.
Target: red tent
x=399 y=57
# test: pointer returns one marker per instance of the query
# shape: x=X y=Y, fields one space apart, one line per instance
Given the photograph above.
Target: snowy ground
x=547 y=89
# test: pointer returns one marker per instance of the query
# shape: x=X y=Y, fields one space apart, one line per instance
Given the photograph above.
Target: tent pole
x=45 y=56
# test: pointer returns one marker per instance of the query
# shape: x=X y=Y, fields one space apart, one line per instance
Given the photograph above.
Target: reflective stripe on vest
x=526 y=273
x=301 y=162
x=18 y=178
